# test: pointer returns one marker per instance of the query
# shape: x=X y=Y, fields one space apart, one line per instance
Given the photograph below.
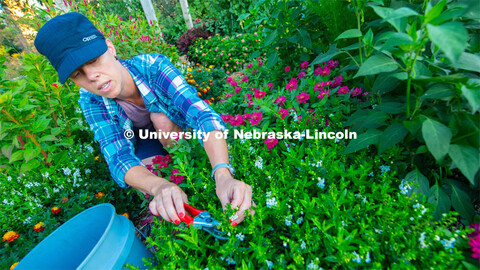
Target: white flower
x=303 y=246
x=357 y=258
x=269 y=264
x=259 y=163
x=230 y=261
x=404 y=187
x=422 y=240
x=9 y=178
x=271 y=203
x=66 y=171
x=240 y=236
x=448 y=244
x=268 y=193
x=312 y=266
x=367 y=259
x=344 y=224
x=337 y=140
x=288 y=220
x=321 y=183
x=89 y=148
x=299 y=220
x=87 y=171
x=28 y=220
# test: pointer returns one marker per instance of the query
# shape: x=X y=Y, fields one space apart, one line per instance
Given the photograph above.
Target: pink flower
x=323 y=93
x=229 y=79
x=343 y=90
x=304 y=65
x=120 y=18
x=280 y=100
x=303 y=97
x=238 y=120
x=287 y=69
x=259 y=94
x=249 y=97
x=245 y=79
x=177 y=179
x=332 y=63
x=292 y=84
x=270 y=85
x=254 y=72
x=322 y=71
x=255 y=118
x=476 y=229
x=337 y=81
x=301 y=75
x=238 y=89
x=271 y=143
x=249 y=65
x=475 y=246
x=226 y=117
x=260 y=63
x=356 y=91
x=283 y=112
x=233 y=83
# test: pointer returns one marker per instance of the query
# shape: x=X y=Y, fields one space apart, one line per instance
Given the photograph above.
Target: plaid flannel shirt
x=163 y=89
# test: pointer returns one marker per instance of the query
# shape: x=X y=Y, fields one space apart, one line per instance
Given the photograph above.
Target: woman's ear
x=111 y=47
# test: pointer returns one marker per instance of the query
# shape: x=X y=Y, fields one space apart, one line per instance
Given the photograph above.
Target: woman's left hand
x=237 y=193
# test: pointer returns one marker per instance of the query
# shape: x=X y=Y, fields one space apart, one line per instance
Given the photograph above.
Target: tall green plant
x=425 y=76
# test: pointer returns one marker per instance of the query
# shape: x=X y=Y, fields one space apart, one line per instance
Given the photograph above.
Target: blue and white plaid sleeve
x=198 y=114
x=118 y=151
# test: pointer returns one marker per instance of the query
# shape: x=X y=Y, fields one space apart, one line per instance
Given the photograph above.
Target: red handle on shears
x=193 y=211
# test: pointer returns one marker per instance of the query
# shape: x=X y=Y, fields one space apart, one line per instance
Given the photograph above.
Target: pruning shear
x=203 y=220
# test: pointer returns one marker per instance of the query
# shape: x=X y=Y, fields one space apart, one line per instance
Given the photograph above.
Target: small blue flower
x=303 y=246
x=321 y=183
x=288 y=220
x=269 y=264
x=240 y=236
x=367 y=259
x=299 y=220
x=448 y=244
x=370 y=174
x=357 y=258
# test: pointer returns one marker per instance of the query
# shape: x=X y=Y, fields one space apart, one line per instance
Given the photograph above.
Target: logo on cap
x=85 y=39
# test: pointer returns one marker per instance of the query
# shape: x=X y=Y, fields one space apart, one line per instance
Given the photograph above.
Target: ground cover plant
x=403 y=194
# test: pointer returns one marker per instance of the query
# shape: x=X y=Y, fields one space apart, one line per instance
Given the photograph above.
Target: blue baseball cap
x=69 y=41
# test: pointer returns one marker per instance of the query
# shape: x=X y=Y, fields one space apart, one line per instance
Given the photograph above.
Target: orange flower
x=127 y=215
x=199 y=94
x=10 y=236
x=13 y=266
x=99 y=195
x=55 y=210
x=97 y=158
x=39 y=227
x=64 y=200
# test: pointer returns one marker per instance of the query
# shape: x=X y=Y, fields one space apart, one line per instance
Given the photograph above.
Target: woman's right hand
x=167 y=201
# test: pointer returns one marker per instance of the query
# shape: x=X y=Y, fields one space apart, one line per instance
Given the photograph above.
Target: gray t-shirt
x=140 y=116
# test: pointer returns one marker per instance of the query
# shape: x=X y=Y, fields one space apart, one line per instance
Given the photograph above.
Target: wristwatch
x=222 y=165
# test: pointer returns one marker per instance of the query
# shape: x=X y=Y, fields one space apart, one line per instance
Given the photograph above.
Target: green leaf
x=17 y=155
x=401 y=13
x=437 y=137
x=473 y=97
x=455 y=44
x=462 y=203
x=454 y=78
x=350 y=33
x=384 y=83
x=440 y=200
x=468 y=61
x=396 y=39
x=368 y=38
x=29 y=154
x=305 y=39
x=272 y=58
x=374 y=120
x=40 y=124
x=466 y=159
x=392 y=135
x=419 y=182
x=363 y=140
x=269 y=40
x=30 y=165
x=377 y=64
x=439 y=91
x=391 y=107
x=435 y=11
x=332 y=52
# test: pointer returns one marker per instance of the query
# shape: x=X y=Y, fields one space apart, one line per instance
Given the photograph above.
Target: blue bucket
x=97 y=238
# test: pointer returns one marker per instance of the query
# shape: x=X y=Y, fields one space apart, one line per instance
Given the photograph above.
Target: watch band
x=223 y=165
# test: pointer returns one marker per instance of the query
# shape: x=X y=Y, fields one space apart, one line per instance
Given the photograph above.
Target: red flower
x=55 y=85
x=303 y=97
x=475 y=246
x=255 y=118
x=271 y=143
x=99 y=195
x=10 y=236
x=283 y=112
x=55 y=210
x=39 y=227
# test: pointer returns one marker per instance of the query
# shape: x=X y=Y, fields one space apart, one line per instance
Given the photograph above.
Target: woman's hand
x=237 y=193
x=168 y=201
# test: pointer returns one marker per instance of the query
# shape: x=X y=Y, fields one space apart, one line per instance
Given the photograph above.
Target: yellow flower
x=10 y=236
x=39 y=227
x=127 y=215
x=13 y=266
x=99 y=195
